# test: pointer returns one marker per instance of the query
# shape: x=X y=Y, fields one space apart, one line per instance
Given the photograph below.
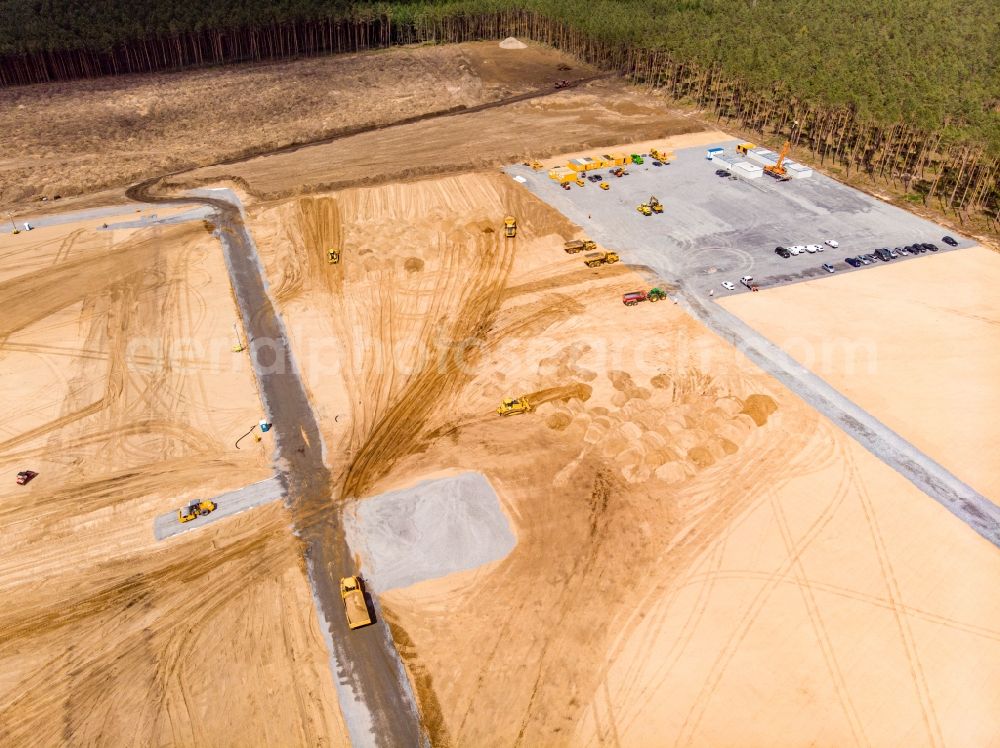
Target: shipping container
x=746 y=170
x=796 y=170
x=711 y=152
x=583 y=164
x=613 y=159
x=763 y=157
x=562 y=174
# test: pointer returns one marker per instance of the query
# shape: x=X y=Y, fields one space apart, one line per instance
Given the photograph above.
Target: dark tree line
x=852 y=83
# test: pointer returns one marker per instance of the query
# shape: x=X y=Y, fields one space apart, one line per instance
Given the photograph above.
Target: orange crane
x=778 y=171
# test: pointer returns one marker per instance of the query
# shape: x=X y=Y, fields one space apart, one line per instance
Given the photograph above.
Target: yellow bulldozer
x=196 y=509
x=644 y=209
x=510 y=227
x=333 y=256
x=512 y=406
x=596 y=259
x=664 y=157
x=655 y=205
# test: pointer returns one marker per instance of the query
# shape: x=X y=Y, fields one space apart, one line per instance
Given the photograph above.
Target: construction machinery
x=655 y=205
x=562 y=84
x=196 y=509
x=637 y=159
x=355 y=606
x=634 y=297
x=512 y=406
x=596 y=259
x=618 y=171
x=778 y=171
x=662 y=156
x=605 y=186
x=333 y=256
x=537 y=165
x=565 y=185
x=25 y=477
x=579 y=245
x=579 y=182
x=510 y=227
x=644 y=209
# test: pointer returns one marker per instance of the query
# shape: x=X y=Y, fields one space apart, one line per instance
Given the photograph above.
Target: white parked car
x=728 y=286
x=811 y=249
x=832 y=243
x=819 y=247
x=796 y=249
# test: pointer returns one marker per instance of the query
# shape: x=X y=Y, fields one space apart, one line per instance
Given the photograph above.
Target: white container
x=763 y=157
x=746 y=170
x=712 y=152
x=796 y=170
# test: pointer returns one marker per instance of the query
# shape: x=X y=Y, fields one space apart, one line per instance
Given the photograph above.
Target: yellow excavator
x=196 y=509
x=655 y=205
x=513 y=406
x=778 y=171
x=333 y=256
x=510 y=227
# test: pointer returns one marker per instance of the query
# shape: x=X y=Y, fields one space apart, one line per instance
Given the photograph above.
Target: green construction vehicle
x=637 y=159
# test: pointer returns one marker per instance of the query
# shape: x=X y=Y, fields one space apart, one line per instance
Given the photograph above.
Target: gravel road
x=230 y=503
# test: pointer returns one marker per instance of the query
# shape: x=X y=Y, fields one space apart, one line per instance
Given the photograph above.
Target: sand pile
x=512 y=43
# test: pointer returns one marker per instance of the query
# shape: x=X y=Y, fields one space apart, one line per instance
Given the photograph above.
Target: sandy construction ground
x=701 y=559
x=917 y=344
x=120 y=389
x=71 y=138
x=596 y=114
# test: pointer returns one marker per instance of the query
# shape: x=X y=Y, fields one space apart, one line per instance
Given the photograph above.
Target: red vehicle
x=562 y=84
x=25 y=476
x=633 y=297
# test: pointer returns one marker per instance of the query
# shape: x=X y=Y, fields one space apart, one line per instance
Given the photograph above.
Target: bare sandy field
x=596 y=114
x=917 y=344
x=701 y=558
x=77 y=137
x=121 y=391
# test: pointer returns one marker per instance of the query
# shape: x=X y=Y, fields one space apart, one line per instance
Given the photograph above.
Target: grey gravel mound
x=430 y=530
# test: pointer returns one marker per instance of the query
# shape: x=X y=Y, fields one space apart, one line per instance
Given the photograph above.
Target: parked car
x=796 y=249
x=892 y=253
x=931 y=247
x=919 y=248
x=816 y=247
x=721 y=173
x=883 y=254
x=828 y=267
x=949 y=241
x=592 y=178
x=782 y=252
x=864 y=260
x=854 y=262
x=810 y=248
x=728 y=286
x=901 y=251
x=657 y=163
x=832 y=243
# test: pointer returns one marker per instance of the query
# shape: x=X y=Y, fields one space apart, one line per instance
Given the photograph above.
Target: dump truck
x=196 y=509
x=634 y=297
x=25 y=477
x=579 y=245
x=644 y=209
x=510 y=227
x=512 y=406
x=333 y=256
x=354 y=602
x=596 y=259
x=655 y=205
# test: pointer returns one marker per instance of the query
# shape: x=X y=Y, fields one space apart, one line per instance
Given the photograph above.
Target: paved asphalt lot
x=715 y=229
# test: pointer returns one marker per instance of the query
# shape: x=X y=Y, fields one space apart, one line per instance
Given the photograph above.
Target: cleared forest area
x=907 y=94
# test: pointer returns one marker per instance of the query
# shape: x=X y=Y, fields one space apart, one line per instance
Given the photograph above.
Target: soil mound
x=512 y=43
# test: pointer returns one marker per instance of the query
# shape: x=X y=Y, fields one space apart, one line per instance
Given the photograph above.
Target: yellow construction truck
x=644 y=209
x=596 y=259
x=512 y=406
x=333 y=256
x=664 y=157
x=196 y=509
x=579 y=245
x=655 y=205
x=354 y=602
x=510 y=227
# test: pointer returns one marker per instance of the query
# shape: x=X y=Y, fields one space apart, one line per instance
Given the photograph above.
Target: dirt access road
x=379 y=709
